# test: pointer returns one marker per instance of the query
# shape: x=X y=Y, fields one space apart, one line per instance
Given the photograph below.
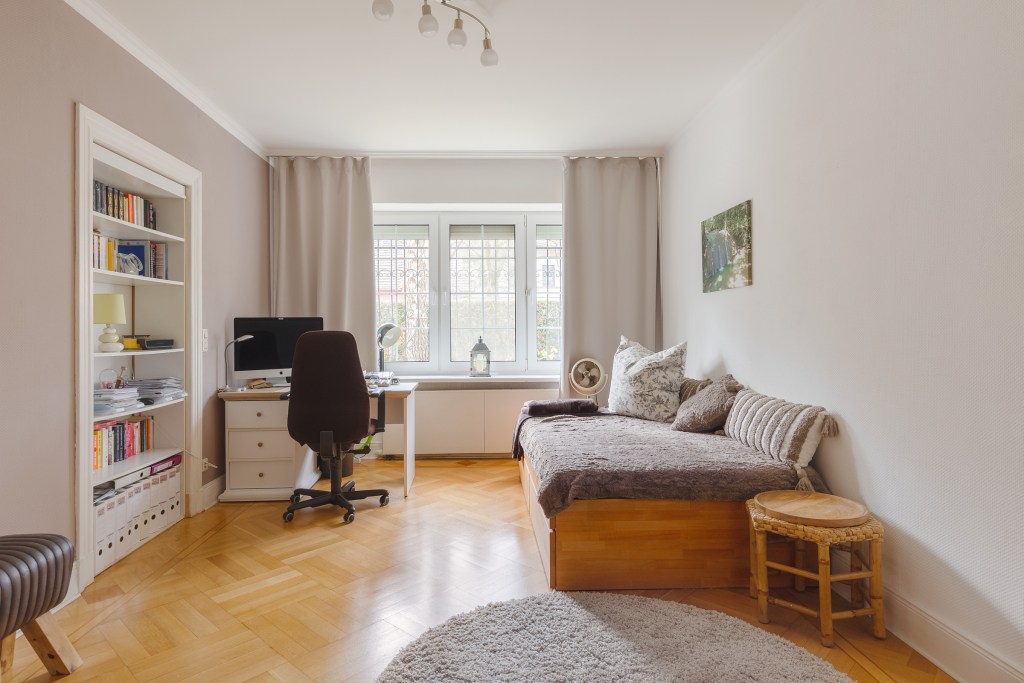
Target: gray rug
x=602 y=637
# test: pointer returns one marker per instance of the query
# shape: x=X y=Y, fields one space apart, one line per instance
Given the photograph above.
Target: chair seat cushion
x=35 y=572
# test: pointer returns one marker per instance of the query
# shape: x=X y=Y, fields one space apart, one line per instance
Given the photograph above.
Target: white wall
x=460 y=181
x=882 y=143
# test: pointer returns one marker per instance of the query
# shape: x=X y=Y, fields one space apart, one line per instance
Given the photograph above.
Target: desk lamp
x=388 y=335
x=227 y=385
x=108 y=309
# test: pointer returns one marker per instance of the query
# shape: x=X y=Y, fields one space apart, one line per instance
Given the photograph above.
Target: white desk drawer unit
x=257 y=414
x=244 y=444
x=255 y=474
x=263 y=462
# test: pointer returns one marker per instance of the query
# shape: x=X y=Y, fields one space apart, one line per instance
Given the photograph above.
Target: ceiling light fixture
x=383 y=9
x=428 y=26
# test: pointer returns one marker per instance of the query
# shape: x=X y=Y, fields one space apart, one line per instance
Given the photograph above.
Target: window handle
x=444 y=297
x=433 y=297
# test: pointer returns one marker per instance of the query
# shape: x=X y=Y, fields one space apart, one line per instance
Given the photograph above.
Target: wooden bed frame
x=622 y=543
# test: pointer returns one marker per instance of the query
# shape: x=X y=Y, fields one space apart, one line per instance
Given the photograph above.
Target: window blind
x=482 y=232
x=401 y=232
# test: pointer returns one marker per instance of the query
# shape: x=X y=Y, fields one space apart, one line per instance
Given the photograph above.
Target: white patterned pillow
x=646 y=384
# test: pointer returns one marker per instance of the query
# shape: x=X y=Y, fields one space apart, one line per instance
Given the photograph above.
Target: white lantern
x=480 y=360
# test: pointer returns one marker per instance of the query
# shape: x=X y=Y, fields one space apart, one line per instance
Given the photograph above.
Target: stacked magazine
x=158 y=390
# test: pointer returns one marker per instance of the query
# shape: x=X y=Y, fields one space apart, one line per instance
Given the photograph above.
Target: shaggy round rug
x=602 y=637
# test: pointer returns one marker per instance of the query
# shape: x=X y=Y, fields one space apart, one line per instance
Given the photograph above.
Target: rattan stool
x=848 y=539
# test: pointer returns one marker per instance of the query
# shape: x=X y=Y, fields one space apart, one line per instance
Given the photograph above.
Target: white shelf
x=133 y=411
x=111 y=278
x=124 y=174
x=123 y=230
x=132 y=464
x=139 y=352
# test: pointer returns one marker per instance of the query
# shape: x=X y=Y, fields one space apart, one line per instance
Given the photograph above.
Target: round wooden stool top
x=811 y=509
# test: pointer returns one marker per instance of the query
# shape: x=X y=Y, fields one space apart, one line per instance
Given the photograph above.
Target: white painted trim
x=116 y=31
x=211 y=491
x=954 y=653
x=445 y=208
x=92 y=128
x=490 y=154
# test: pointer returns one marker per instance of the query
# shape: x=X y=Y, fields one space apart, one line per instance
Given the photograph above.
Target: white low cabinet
x=262 y=460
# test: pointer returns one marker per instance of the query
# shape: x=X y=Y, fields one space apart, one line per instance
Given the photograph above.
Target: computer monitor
x=269 y=353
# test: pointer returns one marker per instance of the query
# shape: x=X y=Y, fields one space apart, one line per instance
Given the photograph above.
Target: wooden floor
x=235 y=594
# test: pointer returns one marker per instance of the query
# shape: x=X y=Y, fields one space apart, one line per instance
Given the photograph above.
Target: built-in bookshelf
x=113 y=164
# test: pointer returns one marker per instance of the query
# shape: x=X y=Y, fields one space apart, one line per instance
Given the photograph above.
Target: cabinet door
x=501 y=410
x=449 y=422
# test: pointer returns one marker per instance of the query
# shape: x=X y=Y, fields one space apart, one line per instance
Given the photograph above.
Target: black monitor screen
x=273 y=341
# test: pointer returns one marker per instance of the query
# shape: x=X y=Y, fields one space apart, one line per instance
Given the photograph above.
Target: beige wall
x=882 y=144
x=51 y=58
x=453 y=181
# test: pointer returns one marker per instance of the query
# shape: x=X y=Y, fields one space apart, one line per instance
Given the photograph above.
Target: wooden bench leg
x=52 y=646
x=6 y=656
x=825 y=594
x=762 y=576
x=800 y=583
x=753 y=561
x=856 y=586
x=878 y=618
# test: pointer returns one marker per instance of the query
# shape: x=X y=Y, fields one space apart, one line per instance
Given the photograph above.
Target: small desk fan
x=588 y=377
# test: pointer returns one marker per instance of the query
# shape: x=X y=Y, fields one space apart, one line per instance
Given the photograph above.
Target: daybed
x=622 y=503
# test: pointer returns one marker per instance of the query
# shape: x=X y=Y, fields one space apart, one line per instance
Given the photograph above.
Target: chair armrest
x=379 y=393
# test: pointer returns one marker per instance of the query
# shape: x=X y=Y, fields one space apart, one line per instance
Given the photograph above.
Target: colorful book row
x=115 y=255
x=121 y=439
x=130 y=208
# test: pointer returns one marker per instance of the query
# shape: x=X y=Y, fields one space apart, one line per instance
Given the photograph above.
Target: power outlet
x=206 y=340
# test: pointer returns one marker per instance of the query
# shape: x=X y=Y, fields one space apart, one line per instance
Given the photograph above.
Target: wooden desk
x=400 y=408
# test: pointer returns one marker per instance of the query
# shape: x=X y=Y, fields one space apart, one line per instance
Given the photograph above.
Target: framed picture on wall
x=726 y=248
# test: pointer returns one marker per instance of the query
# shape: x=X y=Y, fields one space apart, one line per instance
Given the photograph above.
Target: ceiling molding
x=494 y=154
x=104 y=21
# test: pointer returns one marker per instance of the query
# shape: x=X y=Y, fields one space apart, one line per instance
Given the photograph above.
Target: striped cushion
x=784 y=431
x=691 y=387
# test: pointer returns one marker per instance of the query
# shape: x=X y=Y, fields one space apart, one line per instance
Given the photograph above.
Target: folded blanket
x=524 y=415
x=560 y=406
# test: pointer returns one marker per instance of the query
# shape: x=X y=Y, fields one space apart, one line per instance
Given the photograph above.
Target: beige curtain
x=323 y=245
x=610 y=216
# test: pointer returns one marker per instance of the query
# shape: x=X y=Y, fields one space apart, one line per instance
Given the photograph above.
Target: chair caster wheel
x=350 y=517
x=295 y=498
x=384 y=500
x=289 y=516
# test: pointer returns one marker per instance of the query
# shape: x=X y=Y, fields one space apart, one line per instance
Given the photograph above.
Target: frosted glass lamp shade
x=383 y=9
x=457 y=37
x=428 y=24
x=488 y=57
x=108 y=309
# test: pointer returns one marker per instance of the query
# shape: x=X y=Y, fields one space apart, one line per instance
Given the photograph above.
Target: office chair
x=329 y=411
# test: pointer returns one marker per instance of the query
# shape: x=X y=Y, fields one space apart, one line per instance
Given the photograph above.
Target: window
x=449 y=279
x=548 y=298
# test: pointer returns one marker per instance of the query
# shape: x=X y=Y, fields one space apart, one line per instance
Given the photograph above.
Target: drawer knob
x=261 y=474
x=259 y=414
x=260 y=444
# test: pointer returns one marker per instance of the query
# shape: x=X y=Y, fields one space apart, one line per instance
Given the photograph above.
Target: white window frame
x=430 y=220
x=552 y=367
x=447 y=365
x=440 y=362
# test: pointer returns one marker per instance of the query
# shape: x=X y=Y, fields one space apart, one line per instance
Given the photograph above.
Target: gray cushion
x=708 y=409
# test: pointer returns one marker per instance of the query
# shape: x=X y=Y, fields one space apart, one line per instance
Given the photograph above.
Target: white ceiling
x=574 y=75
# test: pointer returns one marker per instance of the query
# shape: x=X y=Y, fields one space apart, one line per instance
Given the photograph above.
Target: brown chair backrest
x=328 y=390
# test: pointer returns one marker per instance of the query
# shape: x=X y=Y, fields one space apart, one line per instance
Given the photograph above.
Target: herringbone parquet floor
x=236 y=595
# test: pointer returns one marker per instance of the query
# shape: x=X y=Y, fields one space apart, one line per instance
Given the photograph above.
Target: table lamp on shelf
x=227 y=385
x=108 y=309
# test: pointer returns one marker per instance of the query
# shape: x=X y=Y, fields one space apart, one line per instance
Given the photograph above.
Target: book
x=124 y=206
x=139 y=249
x=116 y=441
